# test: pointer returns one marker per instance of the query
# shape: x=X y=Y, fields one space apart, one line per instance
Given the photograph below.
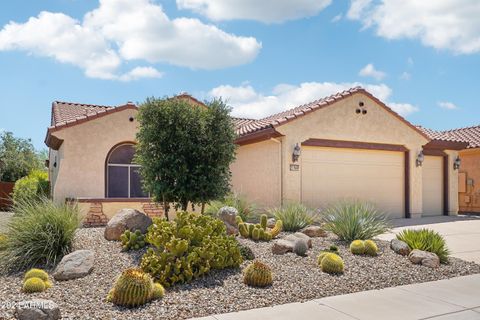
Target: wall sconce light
x=296 y=153
x=457 y=163
x=420 y=159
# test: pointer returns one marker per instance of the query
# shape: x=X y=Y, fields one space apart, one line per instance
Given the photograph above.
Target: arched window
x=123 y=178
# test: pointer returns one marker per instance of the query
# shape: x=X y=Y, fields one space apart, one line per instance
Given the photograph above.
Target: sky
x=422 y=58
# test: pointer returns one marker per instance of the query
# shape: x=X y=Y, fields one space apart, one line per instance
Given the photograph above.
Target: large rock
x=271 y=223
x=75 y=265
x=37 y=309
x=126 y=219
x=228 y=216
x=282 y=246
x=399 y=247
x=424 y=258
x=314 y=231
x=298 y=235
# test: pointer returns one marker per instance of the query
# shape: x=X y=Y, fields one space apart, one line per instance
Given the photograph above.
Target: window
x=123 y=177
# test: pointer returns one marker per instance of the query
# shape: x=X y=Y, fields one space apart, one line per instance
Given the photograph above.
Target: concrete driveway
x=462 y=233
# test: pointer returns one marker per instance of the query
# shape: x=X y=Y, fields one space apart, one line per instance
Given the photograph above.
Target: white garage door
x=432 y=171
x=333 y=174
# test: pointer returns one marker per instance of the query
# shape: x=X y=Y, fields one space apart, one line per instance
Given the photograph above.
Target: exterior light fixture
x=296 y=153
x=457 y=163
x=420 y=159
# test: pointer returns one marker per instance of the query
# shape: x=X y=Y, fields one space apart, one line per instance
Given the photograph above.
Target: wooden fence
x=6 y=189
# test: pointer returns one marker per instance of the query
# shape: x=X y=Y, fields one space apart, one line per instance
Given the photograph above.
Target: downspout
x=280 y=153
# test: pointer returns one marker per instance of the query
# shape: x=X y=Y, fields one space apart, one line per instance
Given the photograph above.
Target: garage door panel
x=331 y=174
x=432 y=186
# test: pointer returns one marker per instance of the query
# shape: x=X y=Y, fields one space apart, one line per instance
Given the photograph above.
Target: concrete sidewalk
x=462 y=233
x=452 y=299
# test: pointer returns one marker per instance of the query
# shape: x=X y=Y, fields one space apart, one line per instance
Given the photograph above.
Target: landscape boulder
x=424 y=258
x=37 y=309
x=126 y=219
x=271 y=223
x=399 y=247
x=228 y=216
x=75 y=265
x=298 y=235
x=282 y=246
x=314 y=231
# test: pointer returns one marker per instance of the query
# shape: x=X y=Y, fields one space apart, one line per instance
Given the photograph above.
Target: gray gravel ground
x=295 y=279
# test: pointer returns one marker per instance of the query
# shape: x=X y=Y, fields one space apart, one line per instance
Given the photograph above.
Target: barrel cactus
x=32 y=285
x=332 y=263
x=158 y=291
x=36 y=273
x=371 y=248
x=300 y=247
x=134 y=288
x=321 y=256
x=257 y=274
x=357 y=247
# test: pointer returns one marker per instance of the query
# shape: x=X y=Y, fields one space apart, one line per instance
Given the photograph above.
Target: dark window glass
x=122 y=155
x=117 y=182
x=136 y=184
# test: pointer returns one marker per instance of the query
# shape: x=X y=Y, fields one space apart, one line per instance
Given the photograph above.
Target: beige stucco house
x=346 y=146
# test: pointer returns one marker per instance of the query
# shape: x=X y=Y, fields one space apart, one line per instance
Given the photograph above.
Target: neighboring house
x=346 y=146
x=469 y=173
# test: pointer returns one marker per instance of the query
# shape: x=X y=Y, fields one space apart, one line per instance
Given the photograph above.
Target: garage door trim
x=370 y=146
x=440 y=153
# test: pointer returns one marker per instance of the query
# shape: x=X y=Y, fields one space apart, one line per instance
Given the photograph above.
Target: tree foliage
x=185 y=150
x=17 y=157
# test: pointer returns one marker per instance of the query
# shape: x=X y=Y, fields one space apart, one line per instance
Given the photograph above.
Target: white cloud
x=141 y=72
x=124 y=30
x=447 y=105
x=267 y=11
x=337 y=18
x=442 y=24
x=370 y=71
x=405 y=76
x=249 y=103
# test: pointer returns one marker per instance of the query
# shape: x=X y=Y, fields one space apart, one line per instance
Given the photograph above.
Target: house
x=346 y=146
x=469 y=173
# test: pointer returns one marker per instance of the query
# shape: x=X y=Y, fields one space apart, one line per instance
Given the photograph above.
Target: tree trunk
x=166 y=207
x=203 y=208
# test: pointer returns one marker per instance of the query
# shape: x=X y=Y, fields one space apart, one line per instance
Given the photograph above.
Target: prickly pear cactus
x=257 y=274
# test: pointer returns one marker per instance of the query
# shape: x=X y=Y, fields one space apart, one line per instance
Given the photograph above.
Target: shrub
x=300 y=247
x=246 y=252
x=39 y=233
x=132 y=240
x=371 y=248
x=355 y=220
x=134 y=288
x=32 y=187
x=188 y=248
x=357 y=247
x=426 y=240
x=333 y=248
x=294 y=216
x=332 y=263
x=257 y=274
x=32 y=285
x=246 y=210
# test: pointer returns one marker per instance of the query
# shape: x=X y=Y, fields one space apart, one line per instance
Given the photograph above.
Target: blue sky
x=422 y=59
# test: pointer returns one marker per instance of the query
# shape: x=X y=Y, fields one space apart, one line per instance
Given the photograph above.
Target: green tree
x=185 y=151
x=17 y=157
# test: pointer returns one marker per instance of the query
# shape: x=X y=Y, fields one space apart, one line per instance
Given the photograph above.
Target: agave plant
x=426 y=240
x=246 y=209
x=355 y=220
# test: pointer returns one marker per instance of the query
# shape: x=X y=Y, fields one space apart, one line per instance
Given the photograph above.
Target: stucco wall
x=452 y=183
x=80 y=168
x=341 y=122
x=256 y=172
x=469 y=201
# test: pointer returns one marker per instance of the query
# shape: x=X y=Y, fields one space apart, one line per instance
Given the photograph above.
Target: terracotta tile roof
x=249 y=126
x=470 y=135
x=65 y=112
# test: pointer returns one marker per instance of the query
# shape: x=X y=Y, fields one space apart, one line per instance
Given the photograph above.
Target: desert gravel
x=296 y=279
